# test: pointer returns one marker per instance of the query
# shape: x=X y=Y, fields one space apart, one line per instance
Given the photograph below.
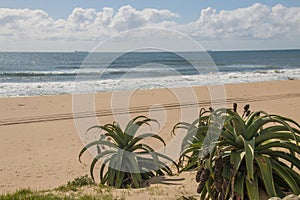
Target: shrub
x=129 y=162
x=255 y=152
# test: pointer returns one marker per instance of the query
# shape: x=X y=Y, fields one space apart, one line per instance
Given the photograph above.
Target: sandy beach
x=40 y=143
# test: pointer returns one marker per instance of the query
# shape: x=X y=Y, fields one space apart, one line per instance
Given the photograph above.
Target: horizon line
x=187 y=51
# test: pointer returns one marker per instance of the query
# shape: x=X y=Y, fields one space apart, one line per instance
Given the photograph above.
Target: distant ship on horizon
x=76 y=51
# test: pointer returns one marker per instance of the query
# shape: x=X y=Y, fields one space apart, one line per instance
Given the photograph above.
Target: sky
x=64 y=25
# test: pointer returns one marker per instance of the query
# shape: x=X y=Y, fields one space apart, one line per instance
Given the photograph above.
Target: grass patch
x=76 y=183
x=73 y=190
x=27 y=194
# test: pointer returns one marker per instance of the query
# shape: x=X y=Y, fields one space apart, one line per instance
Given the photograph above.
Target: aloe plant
x=255 y=153
x=126 y=162
x=192 y=142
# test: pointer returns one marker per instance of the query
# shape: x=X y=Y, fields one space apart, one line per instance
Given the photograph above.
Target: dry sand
x=40 y=144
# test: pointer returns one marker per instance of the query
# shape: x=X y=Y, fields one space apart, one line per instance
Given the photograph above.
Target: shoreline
x=43 y=154
x=148 y=89
x=33 y=89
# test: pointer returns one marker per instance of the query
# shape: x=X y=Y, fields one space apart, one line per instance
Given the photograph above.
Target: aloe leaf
x=120 y=142
x=277 y=135
x=286 y=119
x=110 y=176
x=226 y=169
x=148 y=165
x=95 y=160
x=277 y=128
x=195 y=134
x=265 y=167
x=188 y=166
x=166 y=169
x=134 y=170
x=252 y=188
x=228 y=135
x=110 y=128
x=190 y=149
x=229 y=143
x=253 y=116
x=103 y=177
x=136 y=179
x=93 y=127
x=112 y=169
x=208 y=162
x=239 y=184
x=119 y=178
x=293 y=173
x=99 y=142
x=141 y=117
x=239 y=125
x=120 y=157
x=181 y=125
x=193 y=125
x=117 y=128
x=120 y=168
x=148 y=151
x=167 y=158
x=139 y=138
x=236 y=159
x=132 y=129
x=287 y=145
x=287 y=177
x=279 y=191
x=120 y=133
x=230 y=129
x=249 y=150
x=259 y=123
x=203 y=194
x=286 y=156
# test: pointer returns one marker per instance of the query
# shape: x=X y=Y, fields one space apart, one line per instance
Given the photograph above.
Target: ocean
x=35 y=74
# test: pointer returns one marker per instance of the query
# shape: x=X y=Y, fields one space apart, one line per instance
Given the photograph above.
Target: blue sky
x=62 y=25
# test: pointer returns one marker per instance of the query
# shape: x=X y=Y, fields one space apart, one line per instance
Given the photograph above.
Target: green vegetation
x=128 y=161
x=27 y=194
x=76 y=183
x=74 y=190
x=236 y=157
x=255 y=153
x=192 y=142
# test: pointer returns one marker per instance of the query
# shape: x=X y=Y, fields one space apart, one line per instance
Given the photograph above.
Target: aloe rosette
x=192 y=142
x=126 y=161
x=255 y=153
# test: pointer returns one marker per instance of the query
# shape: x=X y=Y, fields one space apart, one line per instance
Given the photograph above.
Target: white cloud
x=255 y=22
x=19 y=23
x=82 y=24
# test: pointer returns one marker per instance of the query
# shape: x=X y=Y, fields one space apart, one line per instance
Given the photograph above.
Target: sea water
x=40 y=73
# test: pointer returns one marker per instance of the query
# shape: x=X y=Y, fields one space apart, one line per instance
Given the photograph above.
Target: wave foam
x=51 y=88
